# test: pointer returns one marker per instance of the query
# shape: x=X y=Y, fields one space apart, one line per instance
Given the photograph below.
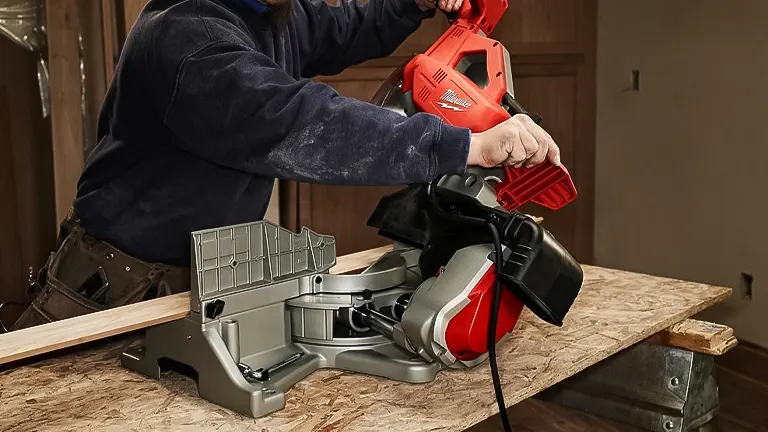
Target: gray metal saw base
x=222 y=382
x=265 y=314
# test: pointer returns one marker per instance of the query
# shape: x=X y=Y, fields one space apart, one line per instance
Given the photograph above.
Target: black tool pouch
x=85 y=275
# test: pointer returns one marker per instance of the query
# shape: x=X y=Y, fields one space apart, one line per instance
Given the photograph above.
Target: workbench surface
x=89 y=390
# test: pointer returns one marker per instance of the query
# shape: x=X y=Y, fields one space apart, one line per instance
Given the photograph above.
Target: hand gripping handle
x=545 y=184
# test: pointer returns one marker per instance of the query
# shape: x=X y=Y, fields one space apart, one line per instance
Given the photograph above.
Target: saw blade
x=390 y=94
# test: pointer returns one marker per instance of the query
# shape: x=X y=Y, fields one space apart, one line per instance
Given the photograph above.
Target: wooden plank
x=92 y=24
x=109 y=33
x=699 y=336
x=131 y=11
x=53 y=336
x=11 y=273
x=615 y=310
x=63 y=27
x=360 y=260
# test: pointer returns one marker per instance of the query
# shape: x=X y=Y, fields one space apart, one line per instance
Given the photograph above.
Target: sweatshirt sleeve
x=352 y=31
x=235 y=107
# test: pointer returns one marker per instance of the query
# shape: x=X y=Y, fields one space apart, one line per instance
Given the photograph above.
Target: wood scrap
x=53 y=336
x=537 y=219
x=359 y=260
x=698 y=336
x=109 y=31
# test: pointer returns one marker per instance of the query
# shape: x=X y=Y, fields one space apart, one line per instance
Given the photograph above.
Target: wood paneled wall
x=11 y=269
x=63 y=27
x=553 y=44
x=27 y=215
x=41 y=159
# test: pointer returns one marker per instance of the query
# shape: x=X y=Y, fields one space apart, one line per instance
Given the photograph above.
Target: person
x=211 y=101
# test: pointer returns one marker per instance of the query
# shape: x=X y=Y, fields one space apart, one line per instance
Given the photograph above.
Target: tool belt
x=85 y=275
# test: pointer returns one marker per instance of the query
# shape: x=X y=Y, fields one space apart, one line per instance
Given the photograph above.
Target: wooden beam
x=50 y=337
x=131 y=11
x=53 y=336
x=698 y=336
x=63 y=28
x=11 y=265
x=109 y=33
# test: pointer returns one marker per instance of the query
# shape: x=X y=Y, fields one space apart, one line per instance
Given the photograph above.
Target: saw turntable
x=265 y=311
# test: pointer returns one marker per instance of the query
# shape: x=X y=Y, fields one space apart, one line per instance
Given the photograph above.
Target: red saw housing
x=466 y=334
x=439 y=84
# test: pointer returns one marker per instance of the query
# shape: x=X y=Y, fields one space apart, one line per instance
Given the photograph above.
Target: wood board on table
x=57 y=335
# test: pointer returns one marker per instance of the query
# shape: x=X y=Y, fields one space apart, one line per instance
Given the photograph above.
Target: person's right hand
x=517 y=142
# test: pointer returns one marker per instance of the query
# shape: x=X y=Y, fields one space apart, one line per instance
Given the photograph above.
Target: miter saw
x=470 y=224
x=265 y=312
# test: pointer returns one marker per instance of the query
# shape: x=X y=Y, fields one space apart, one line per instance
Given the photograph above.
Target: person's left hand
x=444 y=5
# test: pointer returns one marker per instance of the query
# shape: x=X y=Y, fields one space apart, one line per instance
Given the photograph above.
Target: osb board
x=90 y=391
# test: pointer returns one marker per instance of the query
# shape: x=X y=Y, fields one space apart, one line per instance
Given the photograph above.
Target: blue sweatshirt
x=209 y=105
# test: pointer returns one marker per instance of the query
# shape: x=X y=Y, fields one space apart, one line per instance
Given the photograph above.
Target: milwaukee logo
x=451 y=100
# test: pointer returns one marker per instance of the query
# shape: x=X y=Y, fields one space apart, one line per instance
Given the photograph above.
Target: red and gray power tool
x=481 y=260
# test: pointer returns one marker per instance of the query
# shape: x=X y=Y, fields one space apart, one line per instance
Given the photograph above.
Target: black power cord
x=492 y=321
x=496 y=303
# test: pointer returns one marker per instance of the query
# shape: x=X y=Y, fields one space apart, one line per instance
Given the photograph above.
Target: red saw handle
x=545 y=184
x=439 y=86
